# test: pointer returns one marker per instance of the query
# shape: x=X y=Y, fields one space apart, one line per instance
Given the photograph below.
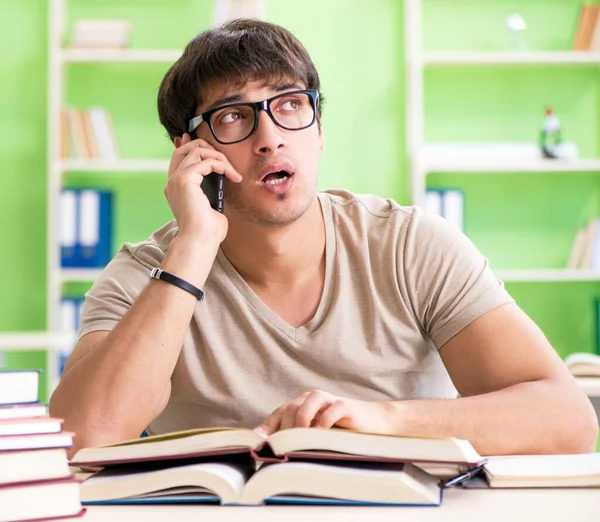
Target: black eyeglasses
x=233 y=123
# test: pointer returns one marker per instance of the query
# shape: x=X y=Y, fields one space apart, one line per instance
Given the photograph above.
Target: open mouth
x=275 y=178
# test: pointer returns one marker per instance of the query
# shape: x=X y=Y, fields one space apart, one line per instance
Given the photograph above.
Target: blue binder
x=70 y=318
x=86 y=228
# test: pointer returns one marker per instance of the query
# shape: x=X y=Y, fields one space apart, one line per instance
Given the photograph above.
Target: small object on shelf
x=100 y=34
x=516 y=25
x=226 y=10
x=550 y=135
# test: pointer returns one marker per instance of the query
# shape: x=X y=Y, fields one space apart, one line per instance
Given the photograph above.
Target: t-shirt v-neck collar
x=296 y=334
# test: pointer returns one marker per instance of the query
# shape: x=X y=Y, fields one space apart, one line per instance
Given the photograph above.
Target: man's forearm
x=531 y=417
x=114 y=391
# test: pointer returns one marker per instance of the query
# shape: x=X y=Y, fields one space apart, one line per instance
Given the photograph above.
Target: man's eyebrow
x=285 y=86
x=224 y=101
x=234 y=98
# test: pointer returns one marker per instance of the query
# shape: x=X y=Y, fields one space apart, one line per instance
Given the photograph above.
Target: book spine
x=68 y=228
x=585 y=28
x=95 y=228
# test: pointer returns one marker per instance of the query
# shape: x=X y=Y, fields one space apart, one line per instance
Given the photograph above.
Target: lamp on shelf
x=516 y=25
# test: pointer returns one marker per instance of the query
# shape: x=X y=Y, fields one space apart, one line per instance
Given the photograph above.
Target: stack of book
x=35 y=480
x=232 y=466
x=300 y=465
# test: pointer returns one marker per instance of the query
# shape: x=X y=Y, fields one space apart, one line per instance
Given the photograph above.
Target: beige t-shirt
x=398 y=285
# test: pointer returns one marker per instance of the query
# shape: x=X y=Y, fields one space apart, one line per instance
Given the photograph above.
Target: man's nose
x=268 y=137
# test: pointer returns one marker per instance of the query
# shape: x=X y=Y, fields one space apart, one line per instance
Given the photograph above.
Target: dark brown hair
x=235 y=53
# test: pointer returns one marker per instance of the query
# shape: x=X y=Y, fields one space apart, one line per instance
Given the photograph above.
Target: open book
x=583 y=364
x=539 y=471
x=228 y=482
x=297 y=443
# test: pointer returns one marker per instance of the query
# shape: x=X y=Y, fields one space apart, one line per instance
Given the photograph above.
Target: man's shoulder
x=151 y=251
x=368 y=206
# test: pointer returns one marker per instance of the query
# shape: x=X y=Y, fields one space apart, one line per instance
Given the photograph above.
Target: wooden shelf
x=439 y=165
x=35 y=340
x=120 y=55
x=126 y=165
x=79 y=275
x=547 y=275
x=511 y=58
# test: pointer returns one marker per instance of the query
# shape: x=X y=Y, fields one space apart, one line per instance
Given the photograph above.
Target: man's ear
x=321 y=141
x=178 y=141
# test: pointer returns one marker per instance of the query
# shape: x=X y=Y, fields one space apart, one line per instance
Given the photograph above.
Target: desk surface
x=499 y=505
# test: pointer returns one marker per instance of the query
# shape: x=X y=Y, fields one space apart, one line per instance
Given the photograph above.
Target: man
x=321 y=310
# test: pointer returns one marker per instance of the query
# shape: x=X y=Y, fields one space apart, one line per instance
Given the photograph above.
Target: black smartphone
x=213 y=186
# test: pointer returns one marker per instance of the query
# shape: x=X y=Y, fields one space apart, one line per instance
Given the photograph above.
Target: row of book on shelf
x=236 y=466
x=88 y=134
x=585 y=249
x=447 y=203
x=86 y=228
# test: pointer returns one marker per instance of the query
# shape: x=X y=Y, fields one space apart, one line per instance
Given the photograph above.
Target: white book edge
x=68 y=218
x=102 y=134
x=89 y=232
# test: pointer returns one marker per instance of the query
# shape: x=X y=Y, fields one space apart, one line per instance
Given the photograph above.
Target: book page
x=168 y=436
x=172 y=446
x=545 y=466
x=223 y=479
x=378 y=483
x=375 y=447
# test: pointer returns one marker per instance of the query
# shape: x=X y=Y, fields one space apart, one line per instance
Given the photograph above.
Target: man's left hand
x=319 y=409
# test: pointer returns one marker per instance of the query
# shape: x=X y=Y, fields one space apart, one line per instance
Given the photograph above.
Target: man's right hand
x=190 y=162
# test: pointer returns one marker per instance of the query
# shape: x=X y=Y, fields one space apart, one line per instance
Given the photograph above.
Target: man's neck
x=282 y=256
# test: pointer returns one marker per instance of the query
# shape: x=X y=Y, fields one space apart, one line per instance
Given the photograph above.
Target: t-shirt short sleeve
x=116 y=289
x=448 y=281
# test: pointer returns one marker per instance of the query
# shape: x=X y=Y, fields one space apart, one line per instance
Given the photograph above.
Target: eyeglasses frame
x=264 y=105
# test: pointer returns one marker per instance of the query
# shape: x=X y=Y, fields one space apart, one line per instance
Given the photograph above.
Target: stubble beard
x=247 y=211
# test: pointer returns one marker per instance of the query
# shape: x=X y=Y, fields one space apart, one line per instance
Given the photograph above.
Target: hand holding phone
x=195 y=189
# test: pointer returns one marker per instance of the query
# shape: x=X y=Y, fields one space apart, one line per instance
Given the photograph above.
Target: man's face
x=265 y=197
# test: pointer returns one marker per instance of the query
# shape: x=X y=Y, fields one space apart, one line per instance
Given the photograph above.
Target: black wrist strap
x=157 y=273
